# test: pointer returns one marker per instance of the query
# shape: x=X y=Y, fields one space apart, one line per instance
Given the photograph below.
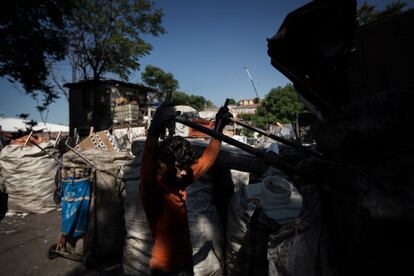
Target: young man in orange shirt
x=167 y=169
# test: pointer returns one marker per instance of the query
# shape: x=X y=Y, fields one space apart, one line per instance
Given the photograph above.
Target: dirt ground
x=24 y=244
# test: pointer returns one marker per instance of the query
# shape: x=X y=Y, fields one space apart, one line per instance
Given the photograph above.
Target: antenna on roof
x=250 y=77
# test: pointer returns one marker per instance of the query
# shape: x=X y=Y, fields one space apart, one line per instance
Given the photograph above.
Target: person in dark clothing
x=167 y=169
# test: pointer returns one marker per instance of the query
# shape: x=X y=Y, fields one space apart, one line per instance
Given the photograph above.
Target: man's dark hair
x=176 y=148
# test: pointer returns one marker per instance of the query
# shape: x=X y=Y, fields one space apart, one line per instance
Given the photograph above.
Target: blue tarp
x=76 y=198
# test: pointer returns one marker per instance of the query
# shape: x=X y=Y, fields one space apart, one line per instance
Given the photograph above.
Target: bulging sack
x=138 y=240
x=106 y=229
x=28 y=175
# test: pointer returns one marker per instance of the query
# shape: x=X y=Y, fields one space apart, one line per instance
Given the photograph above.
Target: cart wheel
x=89 y=260
x=51 y=254
x=57 y=197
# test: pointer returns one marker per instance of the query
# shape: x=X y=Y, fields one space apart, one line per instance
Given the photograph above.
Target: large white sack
x=207 y=237
x=106 y=225
x=293 y=250
x=2 y=186
x=240 y=213
x=28 y=175
x=240 y=178
x=138 y=240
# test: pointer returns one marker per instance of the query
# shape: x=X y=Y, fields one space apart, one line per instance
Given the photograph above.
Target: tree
x=33 y=38
x=162 y=81
x=197 y=102
x=281 y=104
x=98 y=37
x=367 y=14
x=23 y=116
x=106 y=36
x=232 y=101
x=159 y=79
x=29 y=123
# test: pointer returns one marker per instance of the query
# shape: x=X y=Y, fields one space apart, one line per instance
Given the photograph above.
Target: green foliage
x=281 y=104
x=29 y=123
x=23 y=116
x=232 y=101
x=33 y=37
x=246 y=117
x=106 y=35
x=247 y=132
x=98 y=37
x=156 y=78
x=180 y=98
x=367 y=14
x=250 y=118
x=197 y=102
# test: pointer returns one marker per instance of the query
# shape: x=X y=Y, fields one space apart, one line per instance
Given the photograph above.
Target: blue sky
x=206 y=46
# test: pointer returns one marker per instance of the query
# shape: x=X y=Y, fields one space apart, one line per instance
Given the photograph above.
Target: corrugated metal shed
x=92 y=103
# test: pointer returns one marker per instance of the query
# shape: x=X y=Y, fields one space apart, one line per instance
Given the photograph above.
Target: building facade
x=245 y=106
x=105 y=103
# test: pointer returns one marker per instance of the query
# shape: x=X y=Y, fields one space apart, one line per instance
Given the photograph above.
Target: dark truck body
x=359 y=83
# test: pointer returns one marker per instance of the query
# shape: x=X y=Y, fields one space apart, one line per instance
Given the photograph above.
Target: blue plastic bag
x=76 y=199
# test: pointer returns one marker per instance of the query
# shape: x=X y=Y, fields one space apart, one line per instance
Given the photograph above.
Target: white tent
x=208 y=114
x=14 y=124
x=185 y=109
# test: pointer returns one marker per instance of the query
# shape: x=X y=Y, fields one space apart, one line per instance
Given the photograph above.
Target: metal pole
x=57 y=138
x=220 y=136
x=258 y=130
x=169 y=125
x=42 y=149
x=28 y=139
x=78 y=154
x=219 y=124
x=270 y=157
x=250 y=77
x=274 y=137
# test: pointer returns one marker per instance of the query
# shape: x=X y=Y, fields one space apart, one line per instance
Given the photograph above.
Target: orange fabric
x=34 y=139
x=166 y=210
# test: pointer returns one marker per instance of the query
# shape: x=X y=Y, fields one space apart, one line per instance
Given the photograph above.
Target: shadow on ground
x=25 y=241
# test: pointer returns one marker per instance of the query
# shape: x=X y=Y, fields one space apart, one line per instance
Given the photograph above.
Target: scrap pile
x=231 y=215
x=96 y=231
x=102 y=217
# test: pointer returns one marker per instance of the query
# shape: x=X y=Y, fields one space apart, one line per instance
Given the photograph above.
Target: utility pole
x=250 y=77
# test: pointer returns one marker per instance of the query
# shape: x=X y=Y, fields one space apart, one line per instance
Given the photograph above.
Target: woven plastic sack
x=106 y=230
x=240 y=213
x=207 y=237
x=292 y=251
x=28 y=175
x=138 y=239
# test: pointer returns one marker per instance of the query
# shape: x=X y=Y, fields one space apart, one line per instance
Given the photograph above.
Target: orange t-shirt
x=166 y=210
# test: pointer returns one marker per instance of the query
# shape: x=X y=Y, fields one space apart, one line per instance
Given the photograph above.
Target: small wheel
x=89 y=260
x=57 y=197
x=51 y=253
